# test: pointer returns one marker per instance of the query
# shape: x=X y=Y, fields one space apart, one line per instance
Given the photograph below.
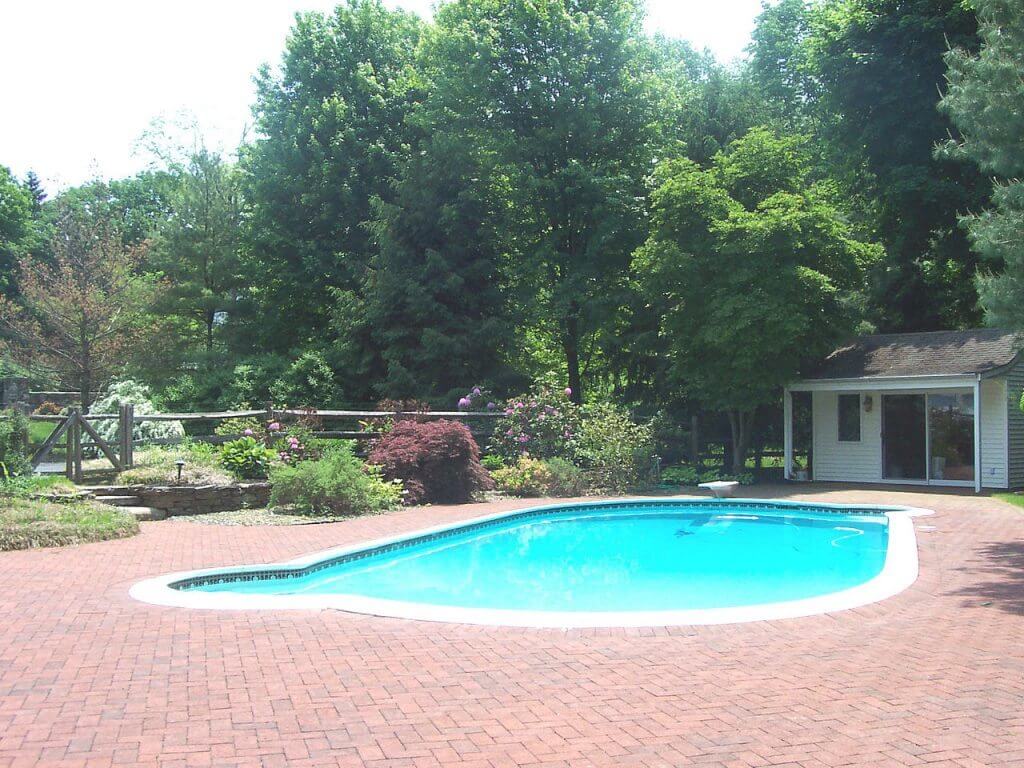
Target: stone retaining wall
x=203 y=499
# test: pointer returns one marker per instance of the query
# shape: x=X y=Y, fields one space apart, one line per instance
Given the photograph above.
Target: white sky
x=81 y=81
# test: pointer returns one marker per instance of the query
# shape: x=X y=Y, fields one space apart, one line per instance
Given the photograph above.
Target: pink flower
x=523 y=439
x=568 y=391
x=464 y=403
x=247 y=432
x=491 y=406
x=274 y=427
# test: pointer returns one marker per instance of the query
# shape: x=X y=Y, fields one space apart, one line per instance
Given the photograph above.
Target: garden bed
x=26 y=523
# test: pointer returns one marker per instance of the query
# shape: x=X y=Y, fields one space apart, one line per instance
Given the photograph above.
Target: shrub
x=619 y=452
x=246 y=458
x=566 y=478
x=535 y=477
x=542 y=423
x=438 y=462
x=48 y=408
x=685 y=476
x=491 y=462
x=129 y=392
x=14 y=458
x=337 y=483
x=692 y=476
x=527 y=477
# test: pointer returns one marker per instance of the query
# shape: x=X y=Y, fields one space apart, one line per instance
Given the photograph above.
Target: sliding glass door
x=904 y=437
x=928 y=437
x=951 y=437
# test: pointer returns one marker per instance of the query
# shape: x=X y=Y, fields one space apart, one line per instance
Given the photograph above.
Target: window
x=849 y=418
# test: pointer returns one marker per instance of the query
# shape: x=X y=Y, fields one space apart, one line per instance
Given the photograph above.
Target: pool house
x=939 y=409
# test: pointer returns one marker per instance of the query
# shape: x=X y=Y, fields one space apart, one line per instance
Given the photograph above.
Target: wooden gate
x=72 y=426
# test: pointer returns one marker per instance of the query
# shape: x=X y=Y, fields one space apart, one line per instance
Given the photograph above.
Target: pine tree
x=986 y=101
x=435 y=302
x=35 y=188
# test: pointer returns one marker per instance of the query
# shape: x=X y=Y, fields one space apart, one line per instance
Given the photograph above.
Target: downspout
x=977 y=434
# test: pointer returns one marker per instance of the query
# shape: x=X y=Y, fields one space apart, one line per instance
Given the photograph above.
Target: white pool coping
x=898 y=573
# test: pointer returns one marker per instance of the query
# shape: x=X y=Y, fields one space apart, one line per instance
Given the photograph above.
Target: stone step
x=119 y=501
x=108 y=490
x=143 y=514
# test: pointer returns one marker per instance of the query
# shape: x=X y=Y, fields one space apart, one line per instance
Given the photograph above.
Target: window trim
x=839 y=419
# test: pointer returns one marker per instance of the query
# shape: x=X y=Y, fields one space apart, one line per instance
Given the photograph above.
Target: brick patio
x=89 y=677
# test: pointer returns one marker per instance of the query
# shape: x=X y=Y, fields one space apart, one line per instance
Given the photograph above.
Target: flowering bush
x=477 y=399
x=130 y=392
x=542 y=424
x=436 y=461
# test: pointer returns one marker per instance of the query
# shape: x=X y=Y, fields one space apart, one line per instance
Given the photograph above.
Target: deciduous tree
x=752 y=270
x=80 y=313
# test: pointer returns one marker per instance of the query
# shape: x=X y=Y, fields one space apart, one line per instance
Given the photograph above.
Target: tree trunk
x=209 y=330
x=571 y=347
x=695 y=439
x=740 y=423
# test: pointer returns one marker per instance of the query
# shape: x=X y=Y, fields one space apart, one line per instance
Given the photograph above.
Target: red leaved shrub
x=437 y=462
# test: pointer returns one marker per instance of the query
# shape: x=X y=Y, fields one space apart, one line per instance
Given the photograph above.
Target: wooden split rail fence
x=76 y=424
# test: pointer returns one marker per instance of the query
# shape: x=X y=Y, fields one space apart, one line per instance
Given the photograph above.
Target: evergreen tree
x=35 y=189
x=435 y=299
x=985 y=99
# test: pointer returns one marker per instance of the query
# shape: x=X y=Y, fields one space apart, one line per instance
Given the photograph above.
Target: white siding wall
x=846 y=462
x=1014 y=387
x=994 y=471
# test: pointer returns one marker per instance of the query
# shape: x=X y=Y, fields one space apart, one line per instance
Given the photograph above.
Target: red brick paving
x=88 y=677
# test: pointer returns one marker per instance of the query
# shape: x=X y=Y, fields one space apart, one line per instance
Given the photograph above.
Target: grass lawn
x=1017 y=499
x=30 y=519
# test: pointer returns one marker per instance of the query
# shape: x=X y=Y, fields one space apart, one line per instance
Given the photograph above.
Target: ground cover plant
x=46 y=512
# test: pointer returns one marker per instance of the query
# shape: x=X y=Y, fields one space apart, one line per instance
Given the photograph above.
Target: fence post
x=126 y=430
x=270 y=411
x=69 y=451
x=73 y=464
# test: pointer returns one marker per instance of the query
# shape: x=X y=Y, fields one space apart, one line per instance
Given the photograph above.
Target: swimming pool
x=644 y=562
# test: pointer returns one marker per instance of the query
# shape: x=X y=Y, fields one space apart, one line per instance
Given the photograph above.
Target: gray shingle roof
x=940 y=353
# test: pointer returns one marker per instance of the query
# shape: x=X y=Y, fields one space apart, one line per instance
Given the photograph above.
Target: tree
x=15 y=224
x=80 y=313
x=985 y=99
x=753 y=271
x=197 y=247
x=436 y=300
x=877 y=67
x=35 y=189
x=332 y=134
x=561 y=95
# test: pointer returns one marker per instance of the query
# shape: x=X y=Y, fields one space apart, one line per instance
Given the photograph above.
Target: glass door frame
x=928 y=480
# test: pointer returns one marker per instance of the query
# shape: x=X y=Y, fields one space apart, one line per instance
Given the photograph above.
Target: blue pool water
x=654 y=557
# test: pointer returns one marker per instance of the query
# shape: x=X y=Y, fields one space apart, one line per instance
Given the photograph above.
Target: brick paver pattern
x=89 y=677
